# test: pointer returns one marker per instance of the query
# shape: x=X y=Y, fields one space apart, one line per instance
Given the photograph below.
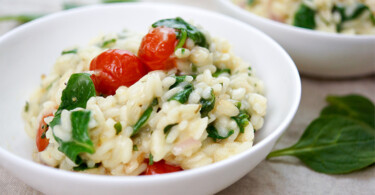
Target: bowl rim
x=76 y=176
x=287 y=27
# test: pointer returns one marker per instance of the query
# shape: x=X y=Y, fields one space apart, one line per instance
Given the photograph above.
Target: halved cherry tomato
x=157 y=47
x=114 y=68
x=160 y=168
x=41 y=140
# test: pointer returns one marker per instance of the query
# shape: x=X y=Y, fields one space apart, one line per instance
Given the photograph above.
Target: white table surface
x=284 y=175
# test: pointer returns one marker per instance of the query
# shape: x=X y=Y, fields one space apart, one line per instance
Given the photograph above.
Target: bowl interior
x=31 y=50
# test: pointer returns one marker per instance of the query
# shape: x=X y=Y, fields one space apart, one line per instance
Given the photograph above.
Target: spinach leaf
x=168 y=128
x=242 y=119
x=183 y=95
x=353 y=106
x=180 y=24
x=334 y=145
x=341 y=140
x=21 y=18
x=78 y=91
x=74 y=51
x=221 y=71
x=250 y=2
x=107 y=43
x=207 y=105
x=135 y=147
x=304 y=17
x=118 y=128
x=84 y=166
x=150 y=159
x=179 y=79
x=81 y=141
x=214 y=134
x=359 y=10
x=144 y=117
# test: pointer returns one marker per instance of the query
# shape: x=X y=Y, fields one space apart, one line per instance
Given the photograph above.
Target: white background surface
x=284 y=175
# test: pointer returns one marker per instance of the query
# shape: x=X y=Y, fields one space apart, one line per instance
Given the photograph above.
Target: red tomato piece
x=114 y=68
x=160 y=168
x=41 y=140
x=157 y=47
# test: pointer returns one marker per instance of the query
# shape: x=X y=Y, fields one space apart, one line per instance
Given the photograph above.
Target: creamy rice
x=327 y=17
x=187 y=144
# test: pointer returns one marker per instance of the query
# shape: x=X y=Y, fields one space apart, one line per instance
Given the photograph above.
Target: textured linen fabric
x=283 y=175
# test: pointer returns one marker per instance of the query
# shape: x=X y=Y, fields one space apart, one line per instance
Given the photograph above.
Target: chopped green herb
x=179 y=79
x=242 y=120
x=191 y=31
x=135 y=147
x=118 y=128
x=183 y=95
x=249 y=68
x=238 y=105
x=341 y=140
x=43 y=136
x=168 y=128
x=144 y=117
x=214 y=134
x=183 y=51
x=207 y=104
x=305 y=17
x=221 y=71
x=73 y=51
x=150 y=159
x=26 y=108
x=107 y=43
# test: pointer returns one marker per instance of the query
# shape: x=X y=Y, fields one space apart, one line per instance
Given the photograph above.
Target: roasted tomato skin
x=40 y=139
x=114 y=68
x=160 y=168
x=157 y=48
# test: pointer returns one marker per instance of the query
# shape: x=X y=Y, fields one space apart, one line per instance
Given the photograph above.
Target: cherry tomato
x=157 y=47
x=41 y=140
x=160 y=168
x=114 y=68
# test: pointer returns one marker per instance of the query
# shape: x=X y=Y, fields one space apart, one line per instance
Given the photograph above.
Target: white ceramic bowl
x=31 y=49
x=315 y=53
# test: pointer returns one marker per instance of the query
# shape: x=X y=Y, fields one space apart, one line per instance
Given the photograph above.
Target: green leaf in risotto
x=183 y=95
x=207 y=104
x=144 y=117
x=304 y=17
x=214 y=134
x=242 y=119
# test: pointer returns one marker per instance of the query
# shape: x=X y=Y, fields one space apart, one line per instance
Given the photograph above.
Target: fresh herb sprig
x=341 y=140
x=304 y=17
x=144 y=117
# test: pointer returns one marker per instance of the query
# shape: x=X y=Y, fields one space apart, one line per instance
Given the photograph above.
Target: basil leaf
x=353 y=106
x=78 y=91
x=118 y=128
x=304 y=17
x=221 y=71
x=180 y=24
x=81 y=141
x=207 y=105
x=73 y=51
x=334 y=145
x=214 y=134
x=183 y=95
x=168 y=128
x=179 y=79
x=242 y=119
x=144 y=117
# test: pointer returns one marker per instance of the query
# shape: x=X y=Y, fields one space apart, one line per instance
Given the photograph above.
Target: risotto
x=336 y=16
x=127 y=104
